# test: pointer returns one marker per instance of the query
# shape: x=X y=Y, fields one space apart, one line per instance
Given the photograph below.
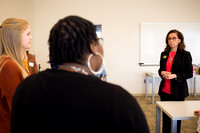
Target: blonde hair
x=11 y=41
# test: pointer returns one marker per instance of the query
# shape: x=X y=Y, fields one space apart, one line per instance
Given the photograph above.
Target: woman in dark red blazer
x=175 y=69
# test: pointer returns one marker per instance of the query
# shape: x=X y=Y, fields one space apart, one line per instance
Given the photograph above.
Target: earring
x=100 y=69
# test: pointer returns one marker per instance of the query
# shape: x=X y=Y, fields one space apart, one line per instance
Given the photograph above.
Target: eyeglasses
x=173 y=38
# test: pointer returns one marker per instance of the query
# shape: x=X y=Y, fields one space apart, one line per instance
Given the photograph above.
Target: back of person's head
x=11 y=40
x=181 y=45
x=70 y=40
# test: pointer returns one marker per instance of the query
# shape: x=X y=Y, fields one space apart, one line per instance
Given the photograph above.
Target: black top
x=62 y=101
x=182 y=67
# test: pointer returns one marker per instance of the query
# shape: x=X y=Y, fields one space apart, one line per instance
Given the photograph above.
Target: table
x=176 y=110
x=155 y=75
x=194 y=82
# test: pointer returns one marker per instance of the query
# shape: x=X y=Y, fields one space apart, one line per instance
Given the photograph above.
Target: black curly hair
x=70 y=40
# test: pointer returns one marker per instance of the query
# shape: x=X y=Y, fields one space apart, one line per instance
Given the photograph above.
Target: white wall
x=18 y=9
x=120 y=21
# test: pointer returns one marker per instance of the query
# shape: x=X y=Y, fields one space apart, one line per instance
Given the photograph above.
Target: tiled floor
x=187 y=126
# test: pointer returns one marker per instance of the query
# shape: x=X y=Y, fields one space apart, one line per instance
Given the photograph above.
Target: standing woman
x=175 y=69
x=14 y=33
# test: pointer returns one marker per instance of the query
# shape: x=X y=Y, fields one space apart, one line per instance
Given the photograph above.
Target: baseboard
x=150 y=94
x=144 y=94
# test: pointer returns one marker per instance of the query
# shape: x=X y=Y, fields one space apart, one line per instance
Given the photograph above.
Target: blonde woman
x=14 y=33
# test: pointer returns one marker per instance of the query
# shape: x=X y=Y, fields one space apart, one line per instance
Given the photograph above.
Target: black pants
x=166 y=128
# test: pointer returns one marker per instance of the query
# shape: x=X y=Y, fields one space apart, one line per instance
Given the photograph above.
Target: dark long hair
x=70 y=40
x=181 y=45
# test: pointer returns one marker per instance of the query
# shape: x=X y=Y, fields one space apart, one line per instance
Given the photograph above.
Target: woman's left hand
x=170 y=76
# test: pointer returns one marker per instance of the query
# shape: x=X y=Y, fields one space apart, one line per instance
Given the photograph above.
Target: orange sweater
x=10 y=77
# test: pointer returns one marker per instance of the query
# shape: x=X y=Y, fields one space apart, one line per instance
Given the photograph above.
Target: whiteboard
x=152 y=40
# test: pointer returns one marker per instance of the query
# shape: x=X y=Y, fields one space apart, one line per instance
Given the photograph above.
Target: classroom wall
x=18 y=9
x=120 y=21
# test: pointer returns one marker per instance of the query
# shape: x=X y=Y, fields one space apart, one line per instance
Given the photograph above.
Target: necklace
x=76 y=69
x=171 y=58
